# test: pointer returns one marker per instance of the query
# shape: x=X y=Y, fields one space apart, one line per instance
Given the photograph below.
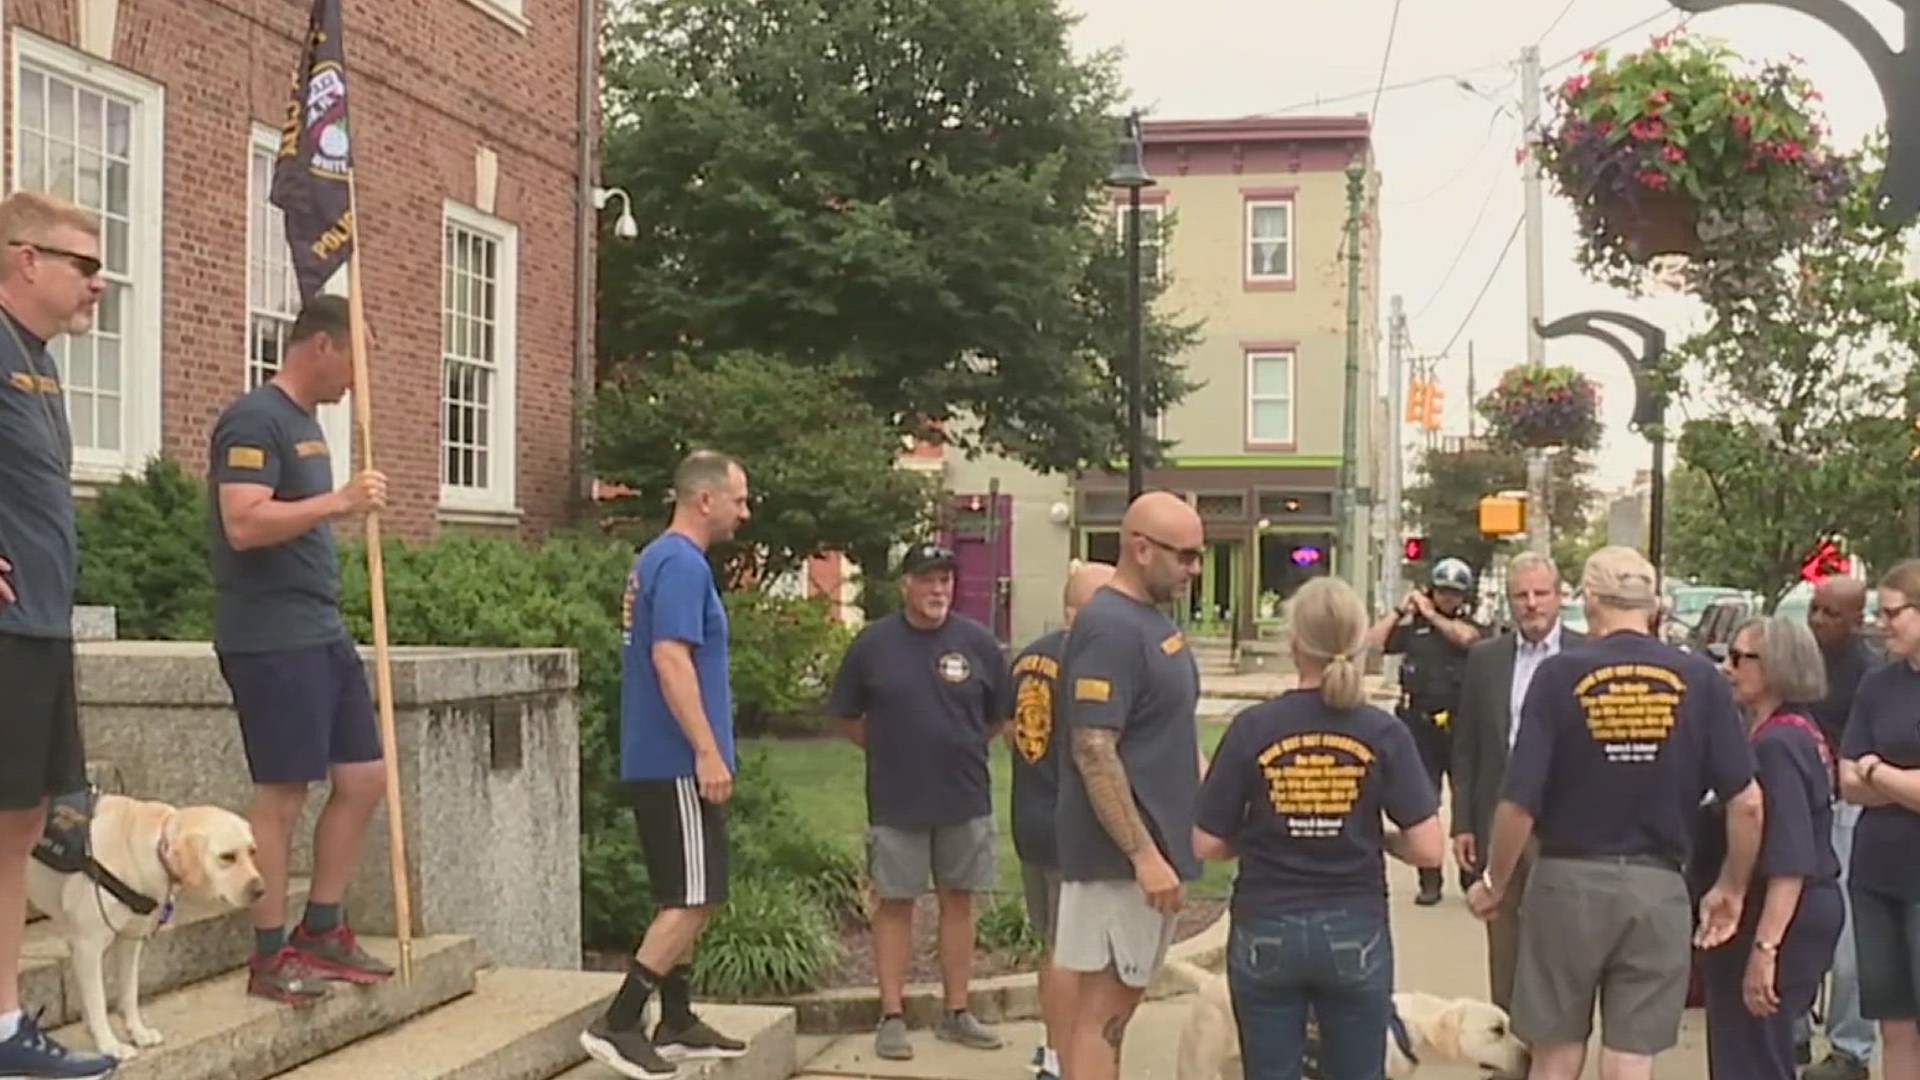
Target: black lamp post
x=1649 y=398
x=1130 y=172
x=1898 y=74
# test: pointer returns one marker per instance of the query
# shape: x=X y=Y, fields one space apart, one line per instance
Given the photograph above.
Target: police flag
x=313 y=173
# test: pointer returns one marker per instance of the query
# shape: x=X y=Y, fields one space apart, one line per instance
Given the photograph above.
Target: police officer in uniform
x=1433 y=629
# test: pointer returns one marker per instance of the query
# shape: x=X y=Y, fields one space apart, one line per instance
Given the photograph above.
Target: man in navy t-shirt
x=676 y=762
x=924 y=692
x=1036 y=791
x=1619 y=740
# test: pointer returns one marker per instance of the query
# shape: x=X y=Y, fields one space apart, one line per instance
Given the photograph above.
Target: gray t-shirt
x=36 y=492
x=286 y=596
x=1128 y=668
x=929 y=699
x=1036 y=752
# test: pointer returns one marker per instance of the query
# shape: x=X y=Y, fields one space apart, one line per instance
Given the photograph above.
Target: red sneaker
x=284 y=977
x=337 y=954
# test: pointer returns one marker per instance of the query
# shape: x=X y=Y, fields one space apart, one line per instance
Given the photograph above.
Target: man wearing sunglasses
x=1124 y=820
x=49 y=283
x=925 y=691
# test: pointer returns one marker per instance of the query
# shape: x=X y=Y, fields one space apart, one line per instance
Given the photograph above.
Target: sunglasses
x=1736 y=657
x=87 y=265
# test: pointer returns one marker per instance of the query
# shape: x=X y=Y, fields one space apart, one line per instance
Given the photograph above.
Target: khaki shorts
x=1108 y=924
x=1042 y=886
x=1621 y=932
x=954 y=857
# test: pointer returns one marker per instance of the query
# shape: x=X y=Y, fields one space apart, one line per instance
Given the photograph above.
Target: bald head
x=1838 y=605
x=1086 y=579
x=1162 y=546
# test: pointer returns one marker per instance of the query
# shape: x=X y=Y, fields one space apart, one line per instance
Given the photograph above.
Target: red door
x=980 y=532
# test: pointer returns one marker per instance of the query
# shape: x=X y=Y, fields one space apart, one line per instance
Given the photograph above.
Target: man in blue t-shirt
x=676 y=762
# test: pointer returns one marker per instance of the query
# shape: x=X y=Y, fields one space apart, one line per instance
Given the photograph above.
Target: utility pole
x=1472 y=393
x=1396 y=449
x=1539 y=487
x=1352 y=555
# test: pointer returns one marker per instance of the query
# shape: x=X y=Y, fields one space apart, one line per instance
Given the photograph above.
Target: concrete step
x=196 y=945
x=215 y=1031
x=770 y=1032
x=518 y=1024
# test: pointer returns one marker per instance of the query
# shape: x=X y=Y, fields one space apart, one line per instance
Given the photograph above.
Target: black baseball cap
x=921 y=558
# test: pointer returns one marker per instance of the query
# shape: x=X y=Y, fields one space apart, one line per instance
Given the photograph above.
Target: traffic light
x=1416 y=399
x=1433 y=403
x=1415 y=548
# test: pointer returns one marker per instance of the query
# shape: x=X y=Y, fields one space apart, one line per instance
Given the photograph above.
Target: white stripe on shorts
x=693 y=840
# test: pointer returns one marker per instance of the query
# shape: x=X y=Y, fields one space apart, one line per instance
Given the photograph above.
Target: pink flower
x=1519 y=155
x=1587 y=56
x=1573 y=85
x=1743 y=124
x=1659 y=97
x=1673 y=153
x=1647 y=128
x=1603 y=125
x=1790 y=150
x=1653 y=179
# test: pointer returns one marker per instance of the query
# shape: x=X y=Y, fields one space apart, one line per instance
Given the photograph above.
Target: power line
x=1380 y=83
x=1556 y=21
x=1484 y=286
x=1615 y=36
x=1473 y=231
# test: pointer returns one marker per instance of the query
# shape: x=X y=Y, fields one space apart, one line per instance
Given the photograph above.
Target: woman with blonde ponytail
x=1297 y=792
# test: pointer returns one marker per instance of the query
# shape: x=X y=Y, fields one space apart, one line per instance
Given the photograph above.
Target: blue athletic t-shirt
x=670 y=596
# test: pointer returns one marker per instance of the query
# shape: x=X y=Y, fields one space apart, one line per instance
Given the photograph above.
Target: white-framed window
x=511 y=12
x=479 y=351
x=94 y=134
x=273 y=296
x=1152 y=253
x=1269 y=239
x=1270 y=397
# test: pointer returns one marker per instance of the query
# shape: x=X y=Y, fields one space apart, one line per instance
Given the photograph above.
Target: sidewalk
x=1262 y=685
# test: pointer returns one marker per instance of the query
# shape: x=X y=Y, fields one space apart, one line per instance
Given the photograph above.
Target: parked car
x=1713 y=631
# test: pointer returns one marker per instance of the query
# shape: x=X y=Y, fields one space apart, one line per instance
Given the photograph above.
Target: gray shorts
x=1042 y=886
x=958 y=857
x=1108 y=924
x=1621 y=932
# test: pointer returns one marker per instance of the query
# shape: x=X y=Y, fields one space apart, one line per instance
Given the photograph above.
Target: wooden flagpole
x=377 y=592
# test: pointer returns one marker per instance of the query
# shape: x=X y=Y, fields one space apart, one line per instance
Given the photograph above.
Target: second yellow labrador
x=1439 y=1031
x=155 y=856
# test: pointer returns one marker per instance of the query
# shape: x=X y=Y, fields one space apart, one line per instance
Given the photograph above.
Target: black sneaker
x=1837 y=1066
x=628 y=1053
x=694 y=1040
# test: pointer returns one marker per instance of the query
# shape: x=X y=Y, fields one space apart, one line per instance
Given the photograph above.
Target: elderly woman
x=1298 y=791
x=1880 y=771
x=1758 y=982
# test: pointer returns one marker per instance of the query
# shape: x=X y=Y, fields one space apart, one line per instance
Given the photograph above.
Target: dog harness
x=66 y=847
x=1396 y=1027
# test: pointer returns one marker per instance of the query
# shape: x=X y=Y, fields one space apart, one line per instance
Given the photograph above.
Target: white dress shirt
x=1526 y=660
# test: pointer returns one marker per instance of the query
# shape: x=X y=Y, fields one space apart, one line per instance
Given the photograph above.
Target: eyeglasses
x=1187 y=556
x=1736 y=657
x=87 y=265
x=1888 y=614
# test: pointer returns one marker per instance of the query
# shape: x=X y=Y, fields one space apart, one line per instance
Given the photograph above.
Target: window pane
x=1271 y=377
x=1270 y=222
x=1272 y=421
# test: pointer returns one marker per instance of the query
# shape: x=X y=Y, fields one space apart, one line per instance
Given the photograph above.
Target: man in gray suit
x=1497 y=675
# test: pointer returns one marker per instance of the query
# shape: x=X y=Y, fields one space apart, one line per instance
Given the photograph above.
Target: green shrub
x=770 y=938
x=784 y=652
x=143 y=544
x=1003 y=928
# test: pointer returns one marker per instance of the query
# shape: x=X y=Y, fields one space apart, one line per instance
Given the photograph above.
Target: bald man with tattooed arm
x=1124 y=819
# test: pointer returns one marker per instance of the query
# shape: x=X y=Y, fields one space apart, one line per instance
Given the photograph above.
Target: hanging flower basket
x=1537 y=407
x=1674 y=150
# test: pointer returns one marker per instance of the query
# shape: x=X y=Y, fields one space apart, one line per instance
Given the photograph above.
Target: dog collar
x=1402 y=1038
x=161 y=847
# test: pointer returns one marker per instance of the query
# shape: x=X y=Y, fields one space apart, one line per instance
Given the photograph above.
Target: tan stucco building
x=1258 y=209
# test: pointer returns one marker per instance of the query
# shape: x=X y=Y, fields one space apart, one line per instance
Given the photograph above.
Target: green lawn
x=826 y=779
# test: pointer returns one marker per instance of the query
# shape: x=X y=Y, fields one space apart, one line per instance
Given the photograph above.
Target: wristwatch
x=1771 y=948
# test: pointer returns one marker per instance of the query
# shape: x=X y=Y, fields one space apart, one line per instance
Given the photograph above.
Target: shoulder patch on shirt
x=1173 y=643
x=310 y=448
x=246 y=457
x=1092 y=690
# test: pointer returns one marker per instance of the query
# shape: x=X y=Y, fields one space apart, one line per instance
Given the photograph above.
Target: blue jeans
x=1847 y=1031
x=1336 y=963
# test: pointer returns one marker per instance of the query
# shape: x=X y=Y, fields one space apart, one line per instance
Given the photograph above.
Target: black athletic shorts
x=302 y=711
x=43 y=755
x=684 y=840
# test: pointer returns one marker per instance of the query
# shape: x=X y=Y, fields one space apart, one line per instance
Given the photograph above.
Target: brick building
x=163 y=116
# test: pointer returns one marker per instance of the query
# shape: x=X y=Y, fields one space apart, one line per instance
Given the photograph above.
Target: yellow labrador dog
x=1439 y=1031
x=146 y=856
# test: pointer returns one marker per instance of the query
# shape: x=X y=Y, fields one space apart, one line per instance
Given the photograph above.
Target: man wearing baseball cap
x=925 y=691
x=1620 y=738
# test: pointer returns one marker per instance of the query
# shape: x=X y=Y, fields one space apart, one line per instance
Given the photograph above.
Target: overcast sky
x=1451 y=186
